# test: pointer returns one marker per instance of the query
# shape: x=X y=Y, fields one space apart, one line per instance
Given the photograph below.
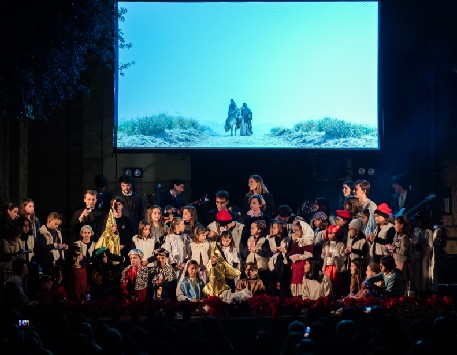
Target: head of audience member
x=13 y=233
x=19 y=267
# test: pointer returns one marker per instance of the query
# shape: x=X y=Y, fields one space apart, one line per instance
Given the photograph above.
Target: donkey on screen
x=232 y=123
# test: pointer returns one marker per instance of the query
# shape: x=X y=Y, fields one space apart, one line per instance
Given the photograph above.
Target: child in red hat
x=383 y=234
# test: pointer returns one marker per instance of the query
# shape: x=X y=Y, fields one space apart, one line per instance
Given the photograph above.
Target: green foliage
x=157 y=124
x=47 y=46
x=280 y=131
x=305 y=126
x=331 y=126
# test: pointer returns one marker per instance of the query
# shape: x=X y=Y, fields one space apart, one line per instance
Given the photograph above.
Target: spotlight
x=134 y=172
x=361 y=171
x=371 y=171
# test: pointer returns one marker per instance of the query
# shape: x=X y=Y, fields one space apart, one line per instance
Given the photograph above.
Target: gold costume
x=109 y=239
x=218 y=273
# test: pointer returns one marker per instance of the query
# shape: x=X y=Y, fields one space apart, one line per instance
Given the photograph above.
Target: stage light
x=134 y=172
x=361 y=171
x=371 y=171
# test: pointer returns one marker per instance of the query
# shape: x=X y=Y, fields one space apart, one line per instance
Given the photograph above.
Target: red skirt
x=337 y=279
x=298 y=272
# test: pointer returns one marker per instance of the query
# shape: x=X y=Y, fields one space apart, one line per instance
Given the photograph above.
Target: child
x=320 y=223
x=356 y=244
x=224 y=222
x=168 y=215
x=334 y=259
x=200 y=250
x=230 y=253
x=191 y=286
x=315 y=284
x=342 y=220
x=145 y=242
x=102 y=278
x=164 y=280
x=27 y=210
x=75 y=278
x=394 y=286
x=279 y=264
x=365 y=216
x=401 y=247
x=252 y=282
x=371 y=270
x=85 y=244
x=177 y=245
x=158 y=227
x=190 y=218
x=26 y=240
x=358 y=272
x=110 y=237
x=383 y=234
x=259 y=249
x=49 y=246
x=301 y=249
x=135 y=278
x=218 y=271
x=10 y=251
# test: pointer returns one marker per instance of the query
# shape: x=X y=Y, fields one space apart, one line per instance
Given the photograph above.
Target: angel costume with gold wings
x=109 y=239
x=218 y=273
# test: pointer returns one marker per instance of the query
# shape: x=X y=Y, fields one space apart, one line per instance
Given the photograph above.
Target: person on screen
x=232 y=108
x=246 y=121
